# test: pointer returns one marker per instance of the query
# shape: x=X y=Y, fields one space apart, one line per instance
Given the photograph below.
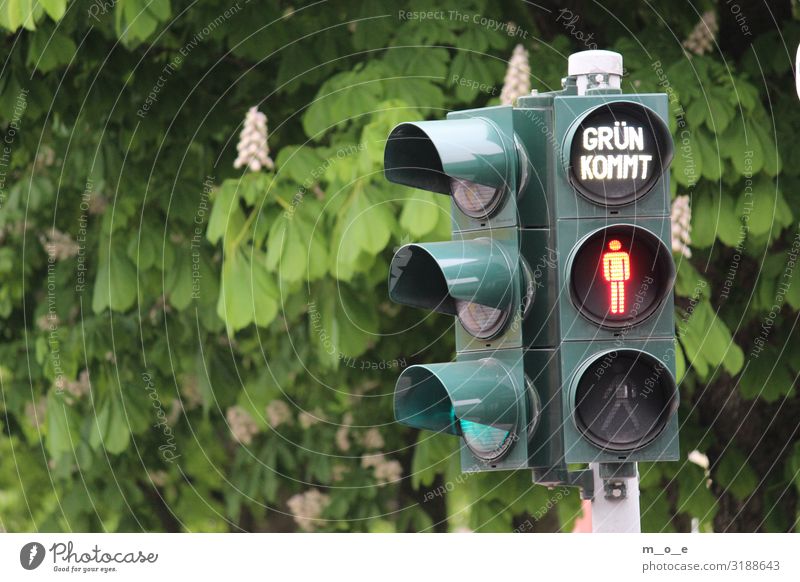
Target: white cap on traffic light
x=595 y=70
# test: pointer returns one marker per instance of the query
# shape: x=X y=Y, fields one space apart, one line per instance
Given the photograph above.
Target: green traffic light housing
x=559 y=274
x=484 y=399
x=478 y=280
x=472 y=156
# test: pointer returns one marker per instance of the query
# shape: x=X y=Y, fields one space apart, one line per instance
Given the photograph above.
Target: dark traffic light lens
x=618 y=152
x=475 y=200
x=620 y=275
x=481 y=321
x=624 y=400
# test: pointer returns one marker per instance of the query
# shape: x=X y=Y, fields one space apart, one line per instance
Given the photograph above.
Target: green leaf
x=721 y=111
x=48 y=51
x=687 y=165
x=767 y=142
x=735 y=474
x=54 y=8
x=703 y=220
x=766 y=376
x=369 y=224
x=248 y=294
x=62 y=431
x=136 y=20
x=179 y=280
x=728 y=226
x=344 y=96
x=16 y=13
x=694 y=497
x=421 y=213
x=115 y=285
x=712 y=161
x=300 y=163
x=758 y=205
x=98 y=425
x=680 y=363
x=286 y=251
x=227 y=218
x=475 y=70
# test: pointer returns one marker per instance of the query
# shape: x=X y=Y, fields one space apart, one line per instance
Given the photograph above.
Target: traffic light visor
x=477 y=400
x=471 y=279
x=469 y=159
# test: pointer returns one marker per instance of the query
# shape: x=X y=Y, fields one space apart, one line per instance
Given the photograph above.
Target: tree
x=189 y=346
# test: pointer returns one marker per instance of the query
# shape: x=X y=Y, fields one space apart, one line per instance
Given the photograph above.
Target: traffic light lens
x=485 y=442
x=624 y=400
x=620 y=275
x=618 y=152
x=475 y=200
x=481 y=321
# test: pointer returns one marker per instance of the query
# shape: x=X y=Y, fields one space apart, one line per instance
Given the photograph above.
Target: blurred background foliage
x=189 y=346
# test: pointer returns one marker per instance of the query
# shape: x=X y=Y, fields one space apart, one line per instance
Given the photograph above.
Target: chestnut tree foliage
x=189 y=347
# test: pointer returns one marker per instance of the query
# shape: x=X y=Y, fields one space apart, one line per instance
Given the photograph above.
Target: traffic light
x=477 y=277
x=559 y=275
x=615 y=271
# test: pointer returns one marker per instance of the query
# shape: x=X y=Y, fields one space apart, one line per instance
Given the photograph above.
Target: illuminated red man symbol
x=616 y=270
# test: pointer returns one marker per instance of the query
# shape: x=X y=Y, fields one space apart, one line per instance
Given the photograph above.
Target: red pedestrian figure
x=617 y=270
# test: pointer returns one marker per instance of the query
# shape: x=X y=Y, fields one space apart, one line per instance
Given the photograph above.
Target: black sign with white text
x=618 y=153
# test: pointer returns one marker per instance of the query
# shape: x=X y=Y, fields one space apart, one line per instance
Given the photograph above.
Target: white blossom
x=242 y=425
x=59 y=245
x=373 y=439
x=307 y=507
x=252 y=147
x=518 y=77
x=701 y=39
x=681 y=226
x=343 y=433
x=385 y=471
x=80 y=386
x=278 y=413
x=36 y=413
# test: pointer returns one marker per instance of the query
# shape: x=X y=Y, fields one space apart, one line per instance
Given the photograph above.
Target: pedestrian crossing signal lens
x=620 y=276
x=624 y=399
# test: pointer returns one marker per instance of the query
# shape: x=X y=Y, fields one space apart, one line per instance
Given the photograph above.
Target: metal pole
x=615 y=507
